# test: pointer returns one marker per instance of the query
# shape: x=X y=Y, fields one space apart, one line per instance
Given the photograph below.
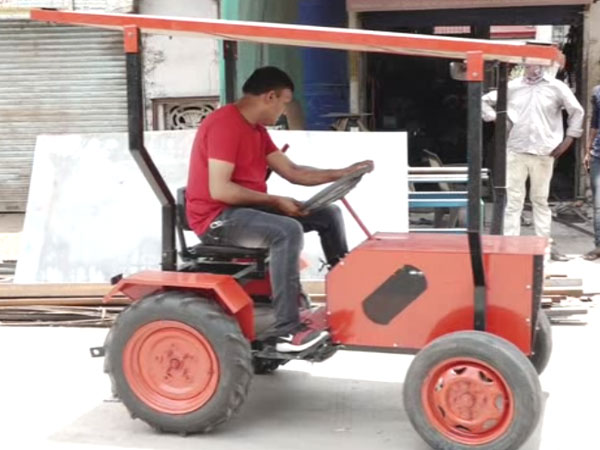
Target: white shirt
x=535 y=115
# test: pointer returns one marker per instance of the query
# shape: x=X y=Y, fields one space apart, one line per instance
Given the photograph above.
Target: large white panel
x=380 y=199
x=92 y=215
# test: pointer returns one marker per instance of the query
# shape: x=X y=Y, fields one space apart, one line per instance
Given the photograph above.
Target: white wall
x=176 y=66
x=107 y=5
x=543 y=33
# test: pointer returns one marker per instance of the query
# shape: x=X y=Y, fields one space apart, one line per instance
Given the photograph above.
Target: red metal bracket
x=131 y=37
x=358 y=221
x=475 y=70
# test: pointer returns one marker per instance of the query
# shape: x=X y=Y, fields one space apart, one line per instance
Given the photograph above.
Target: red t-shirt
x=227 y=136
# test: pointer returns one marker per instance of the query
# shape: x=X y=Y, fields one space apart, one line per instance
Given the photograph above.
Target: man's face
x=533 y=71
x=274 y=103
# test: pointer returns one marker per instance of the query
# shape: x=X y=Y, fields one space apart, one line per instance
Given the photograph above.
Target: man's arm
x=224 y=190
x=488 y=105
x=575 y=119
x=593 y=132
x=309 y=176
x=575 y=112
x=592 y=138
x=590 y=147
x=594 y=126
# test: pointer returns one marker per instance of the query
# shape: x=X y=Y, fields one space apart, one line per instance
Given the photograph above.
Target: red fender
x=228 y=292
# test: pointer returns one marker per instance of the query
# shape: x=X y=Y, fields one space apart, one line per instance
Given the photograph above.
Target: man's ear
x=271 y=95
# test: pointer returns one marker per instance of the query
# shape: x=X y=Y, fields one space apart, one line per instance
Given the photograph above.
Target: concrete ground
x=53 y=395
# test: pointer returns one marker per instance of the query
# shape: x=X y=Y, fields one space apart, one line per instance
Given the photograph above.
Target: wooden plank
x=591 y=293
x=66 y=309
x=61 y=301
x=314 y=287
x=553 y=297
x=563 y=282
x=567 y=311
x=549 y=301
x=571 y=292
x=54 y=290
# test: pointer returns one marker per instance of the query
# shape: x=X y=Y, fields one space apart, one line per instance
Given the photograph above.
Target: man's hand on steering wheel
x=339 y=188
x=288 y=206
x=367 y=164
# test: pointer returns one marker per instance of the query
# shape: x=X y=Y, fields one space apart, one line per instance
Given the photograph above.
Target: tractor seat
x=210 y=251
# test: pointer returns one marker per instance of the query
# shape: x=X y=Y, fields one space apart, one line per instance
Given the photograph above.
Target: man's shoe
x=594 y=254
x=315 y=318
x=555 y=255
x=526 y=221
x=303 y=338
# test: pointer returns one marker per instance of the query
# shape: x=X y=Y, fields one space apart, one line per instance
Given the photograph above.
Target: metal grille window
x=181 y=113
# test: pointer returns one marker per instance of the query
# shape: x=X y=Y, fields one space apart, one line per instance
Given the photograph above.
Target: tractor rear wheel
x=179 y=362
x=472 y=390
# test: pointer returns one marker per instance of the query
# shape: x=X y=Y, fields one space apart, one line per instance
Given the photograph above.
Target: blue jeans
x=284 y=237
x=595 y=182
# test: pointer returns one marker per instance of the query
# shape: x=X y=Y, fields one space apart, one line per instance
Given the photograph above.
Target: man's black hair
x=267 y=79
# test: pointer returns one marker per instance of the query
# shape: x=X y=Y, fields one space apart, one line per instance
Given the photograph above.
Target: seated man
x=228 y=203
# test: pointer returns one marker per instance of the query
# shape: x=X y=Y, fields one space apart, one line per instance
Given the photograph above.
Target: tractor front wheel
x=179 y=362
x=542 y=344
x=472 y=390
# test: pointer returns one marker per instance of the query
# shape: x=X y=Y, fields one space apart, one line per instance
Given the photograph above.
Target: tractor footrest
x=318 y=353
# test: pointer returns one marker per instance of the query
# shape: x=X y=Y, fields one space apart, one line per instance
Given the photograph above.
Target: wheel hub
x=468 y=401
x=171 y=367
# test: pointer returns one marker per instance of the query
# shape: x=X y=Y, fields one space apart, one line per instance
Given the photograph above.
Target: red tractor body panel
x=401 y=291
x=226 y=290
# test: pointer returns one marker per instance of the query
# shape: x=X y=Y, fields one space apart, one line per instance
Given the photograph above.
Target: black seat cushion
x=216 y=251
x=211 y=251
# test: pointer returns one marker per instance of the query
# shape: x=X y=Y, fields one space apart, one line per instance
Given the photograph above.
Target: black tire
x=107 y=344
x=220 y=331
x=542 y=346
x=491 y=352
x=265 y=366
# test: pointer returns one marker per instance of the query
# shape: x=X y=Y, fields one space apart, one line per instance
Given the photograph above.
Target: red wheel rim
x=467 y=401
x=171 y=367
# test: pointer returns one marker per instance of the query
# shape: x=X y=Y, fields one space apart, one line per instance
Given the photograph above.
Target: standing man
x=535 y=140
x=592 y=164
x=228 y=203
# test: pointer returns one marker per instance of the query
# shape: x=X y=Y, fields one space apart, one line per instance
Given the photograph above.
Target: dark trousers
x=284 y=237
x=595 y=182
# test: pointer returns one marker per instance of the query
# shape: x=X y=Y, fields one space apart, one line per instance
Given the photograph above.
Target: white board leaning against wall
x=380 y=199
x=92 y=215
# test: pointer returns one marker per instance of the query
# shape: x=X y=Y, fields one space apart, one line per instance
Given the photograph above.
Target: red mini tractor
x=183 y=355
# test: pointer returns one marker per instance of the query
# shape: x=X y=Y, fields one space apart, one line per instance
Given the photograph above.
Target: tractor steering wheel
x=335 y=191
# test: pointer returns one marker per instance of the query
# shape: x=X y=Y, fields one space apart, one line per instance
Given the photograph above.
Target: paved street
x=55 y=396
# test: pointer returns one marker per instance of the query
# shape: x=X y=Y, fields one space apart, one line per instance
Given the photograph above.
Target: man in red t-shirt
x=228 y=203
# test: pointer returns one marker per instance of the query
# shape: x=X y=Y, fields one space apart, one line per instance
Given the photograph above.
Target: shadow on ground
x=286 y=410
